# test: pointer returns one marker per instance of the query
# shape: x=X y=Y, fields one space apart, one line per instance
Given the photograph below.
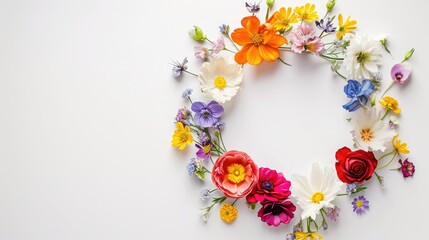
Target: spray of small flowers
x=374 y=117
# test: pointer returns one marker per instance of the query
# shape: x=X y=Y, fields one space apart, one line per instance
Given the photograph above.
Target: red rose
x=354 y=166
x=235 y=174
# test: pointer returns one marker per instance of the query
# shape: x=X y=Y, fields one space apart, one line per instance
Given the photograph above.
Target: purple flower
x=183 y=116
x=224 y=29
x=350 y=188
x=178 y=67
x=333 y=213
x=204 y=139
x=204 y=152
x=400 y=72
x=192 y=167
x=207 y=115
x=358 y=92
x=360 y=205
x=253 y=8
x=205 y=194
x=219 y=125
x=326 y=25
x=274 y=213
x=407 y=168
x=201 y=52
x=219 y=45
x=187 y=93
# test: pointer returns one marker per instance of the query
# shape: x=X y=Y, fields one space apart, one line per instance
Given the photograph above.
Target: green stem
x=186 y=71
x=221 y=140
x=391 y=160
x=329 y=57
x=341 y=75
x=385 y=114
x=390 y=86
x=266 y=15
x=387 y=154
x=285 y=63
x=234 y=202
x=233 y=43
x=226 y=49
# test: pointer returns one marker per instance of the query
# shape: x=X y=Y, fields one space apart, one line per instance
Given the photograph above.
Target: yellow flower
x=345 y=27
x=307 y=13
x=282 y=19
x=182 y=136
x=305 y=236
x=228 y=213
x=399 y=146
x=390 y=103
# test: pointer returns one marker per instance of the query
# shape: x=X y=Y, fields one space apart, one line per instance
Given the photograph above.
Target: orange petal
x=241 y=36
x=277 y=40
x=253 y=56
x=251 y=24
x=240 y=57
x=268 y=53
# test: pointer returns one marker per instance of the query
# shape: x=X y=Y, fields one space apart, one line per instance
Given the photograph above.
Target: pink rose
x=235 y=174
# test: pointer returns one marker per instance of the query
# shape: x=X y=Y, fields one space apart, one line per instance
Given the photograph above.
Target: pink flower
x=271 y=186
x=274 y=213
x=235 y=174
x=400 y=72
x=201 y=52
x=407 y=168
x=303 y=38
x=219 y=45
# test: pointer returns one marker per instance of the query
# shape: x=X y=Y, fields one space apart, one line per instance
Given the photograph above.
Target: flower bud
x=330 y=5
x=270 y=3
x=216 y=133
x=197 y=34
x=408 y=55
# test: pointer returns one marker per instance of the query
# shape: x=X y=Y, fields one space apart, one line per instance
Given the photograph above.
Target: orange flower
x=259 y=42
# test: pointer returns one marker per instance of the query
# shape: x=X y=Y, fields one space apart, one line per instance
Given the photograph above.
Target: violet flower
x=360 y=205
x=207 y=115
x=253 y=8
x=274 y=213
x=204 y=152
x=219 y=45
x=326 y=25
x=183 y=115
x=400 y=72
x=179 y=68
x=407 y=168
x=333 y=213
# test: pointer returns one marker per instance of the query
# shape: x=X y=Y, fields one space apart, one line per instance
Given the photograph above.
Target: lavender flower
x=183 y=115
x=192 y=166
x=178 y=67
x=187 y=93
x=205 y=194
x=360 y=205
x=219 y=125
x=326 y=25
x=203 y=138
x=253 y=8
x=358 y=92
x=219 y=45
x=400 y=72
x=333 y=213
x=201 y=53
x=351 y=188
x=407 y=168
x=207 y=115
x=224 y=29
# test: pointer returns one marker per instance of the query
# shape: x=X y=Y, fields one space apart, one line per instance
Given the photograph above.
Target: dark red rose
x=354 y=166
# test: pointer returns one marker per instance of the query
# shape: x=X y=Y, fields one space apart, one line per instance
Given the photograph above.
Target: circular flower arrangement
x=355 y=57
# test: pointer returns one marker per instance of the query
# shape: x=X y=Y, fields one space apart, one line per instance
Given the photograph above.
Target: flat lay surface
x=88 y=104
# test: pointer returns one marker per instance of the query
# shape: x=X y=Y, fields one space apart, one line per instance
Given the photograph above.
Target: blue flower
x=358 y=92
x=192 y=166
x=178 y=67
x=187 y=93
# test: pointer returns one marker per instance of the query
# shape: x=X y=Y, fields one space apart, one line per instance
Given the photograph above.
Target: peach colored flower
x=259 y=42
x=235 y=174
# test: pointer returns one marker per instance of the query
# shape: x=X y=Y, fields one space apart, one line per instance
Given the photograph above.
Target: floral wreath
x=356 y=58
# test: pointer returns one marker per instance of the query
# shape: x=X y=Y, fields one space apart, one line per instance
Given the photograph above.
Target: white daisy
x=220 y=78
x=315 y=192
x=370 y=133
x=363 y=58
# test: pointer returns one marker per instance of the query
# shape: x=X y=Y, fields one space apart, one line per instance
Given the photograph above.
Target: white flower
x=363 y=58
x=220 y=78
x=315 y=192
x=370 y=133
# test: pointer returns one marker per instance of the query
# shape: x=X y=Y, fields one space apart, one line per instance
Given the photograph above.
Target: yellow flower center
x=220 y=82
x=317 y=197
x=183 y=137
x=359 y=203
x=362 y=57
x=257 y=39
x=228 y=213
x=236 y=173
x=366 y=134
x=206 y=149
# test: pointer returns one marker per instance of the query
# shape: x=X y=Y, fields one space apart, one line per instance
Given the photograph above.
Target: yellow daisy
x=282 y=19
x=182 y=136
x=399 y=146
x=305 y=236
x=228 y=213
x=390 y=103
x=345 y=27
x=307 y=13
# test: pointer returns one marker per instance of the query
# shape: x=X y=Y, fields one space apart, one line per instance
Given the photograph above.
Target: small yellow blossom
x=182 y=136
x=345 y=27
x=390 y=103
x=306 y=236
x=282 y=19
x=307 y=13
x=228 y=213
x=399 y=146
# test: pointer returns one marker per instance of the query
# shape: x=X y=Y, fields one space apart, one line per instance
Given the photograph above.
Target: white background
x=87 y=106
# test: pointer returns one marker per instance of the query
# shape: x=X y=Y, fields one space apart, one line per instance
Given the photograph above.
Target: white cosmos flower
x=220 y=78
x=317 y=191
x=363 y=58
x=370 y=133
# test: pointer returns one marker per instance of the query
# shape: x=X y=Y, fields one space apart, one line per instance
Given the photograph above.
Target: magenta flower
x=303 y=38
x=204 y=152
x=407 y=168
x=400 y=72
x=274 y=213
x=271 y=186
